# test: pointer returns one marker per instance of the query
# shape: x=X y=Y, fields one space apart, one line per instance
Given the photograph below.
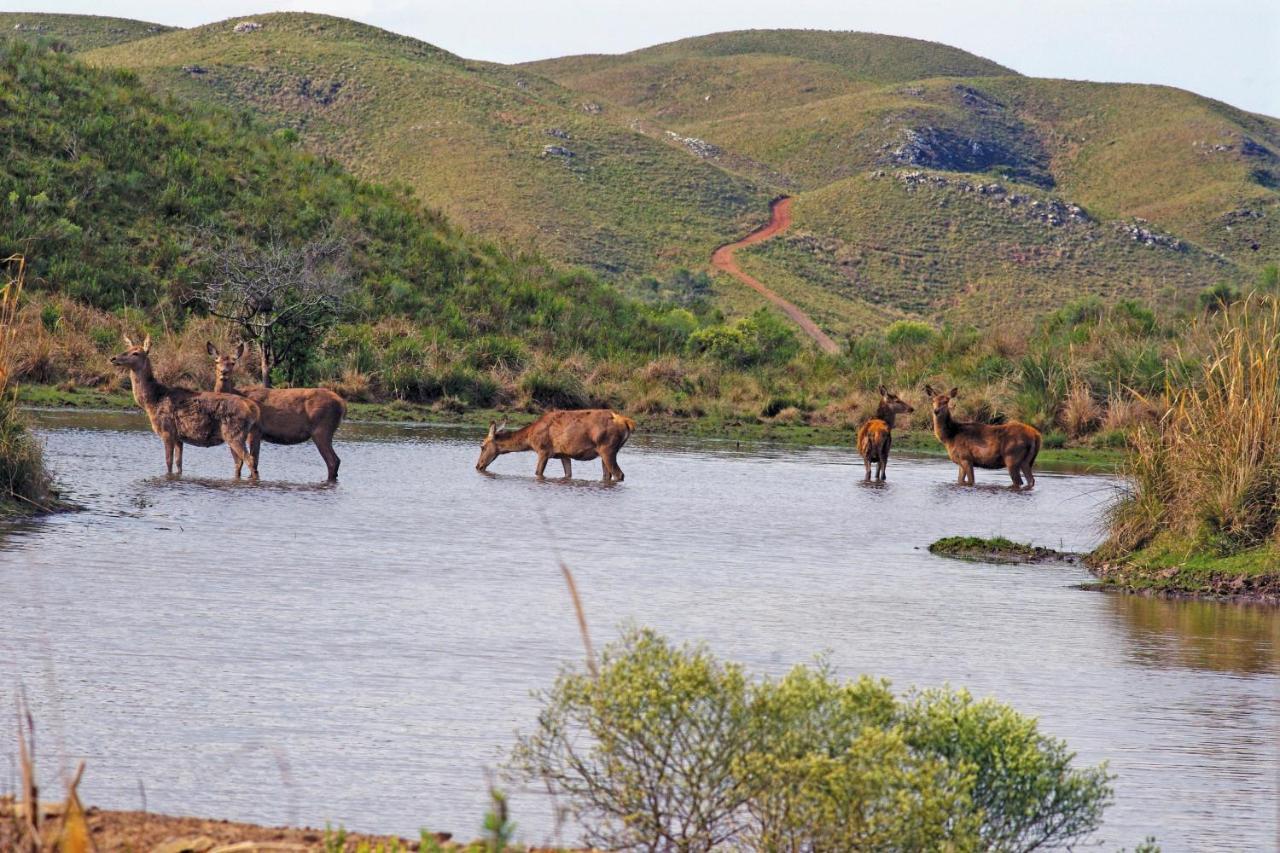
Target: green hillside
x=112 y=194
x=641 y=163
x=497 y=148
x=76 y=32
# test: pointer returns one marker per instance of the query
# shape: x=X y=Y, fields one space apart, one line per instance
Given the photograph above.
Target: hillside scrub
x=1205 y=477
x=670 y=748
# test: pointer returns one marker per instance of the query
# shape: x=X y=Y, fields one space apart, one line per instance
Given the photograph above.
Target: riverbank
x=1082 y=459
x=144 y=831
x=1171 y=570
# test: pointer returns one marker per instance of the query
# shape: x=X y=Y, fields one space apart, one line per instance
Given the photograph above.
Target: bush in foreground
x=671 y=748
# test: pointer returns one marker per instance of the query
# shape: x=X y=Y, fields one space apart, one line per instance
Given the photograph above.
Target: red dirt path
x=723 y=260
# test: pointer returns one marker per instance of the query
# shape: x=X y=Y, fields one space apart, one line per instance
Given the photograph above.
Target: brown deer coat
x=875 y=437
x=1012 y=446
x=581 y=434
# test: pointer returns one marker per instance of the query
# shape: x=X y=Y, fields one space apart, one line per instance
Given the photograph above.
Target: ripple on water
x=294 y=651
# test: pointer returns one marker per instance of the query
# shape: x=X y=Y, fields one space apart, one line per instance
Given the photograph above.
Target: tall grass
x=24 y=483
x=1207 y=472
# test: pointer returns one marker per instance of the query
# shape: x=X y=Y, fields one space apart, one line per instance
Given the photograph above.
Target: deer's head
x=489 y=450
x=134 y=357
x=941 y=401
x=896 y=404
x=224 y=364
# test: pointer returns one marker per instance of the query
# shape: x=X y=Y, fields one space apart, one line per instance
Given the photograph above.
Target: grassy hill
x=76 y=32
x=658 y=155
x=497 y=148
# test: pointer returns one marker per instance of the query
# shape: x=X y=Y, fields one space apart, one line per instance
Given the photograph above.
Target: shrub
x=762 y=338
x=1207 y=471
x=908 y=333
x=1218 y=297
x=554 y=389
x=669 y=748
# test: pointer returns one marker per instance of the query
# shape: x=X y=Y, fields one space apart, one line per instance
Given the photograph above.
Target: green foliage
x=24 y=482
x=498 y=827
x=670 y=748
x=1028 y=792
x=908 y=333
x=1218 y=297
x=762 y=338
x=555 y=389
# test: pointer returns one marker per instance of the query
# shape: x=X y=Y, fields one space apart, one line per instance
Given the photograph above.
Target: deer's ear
x=493 y=428
x=146 y=344
x=954 y=392
x=502 y=427
x=128 y=341
x=240 y=350
x=211 y=349
x=928 y=389
x=884 y=392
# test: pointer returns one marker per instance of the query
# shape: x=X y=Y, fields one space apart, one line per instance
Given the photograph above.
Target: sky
x=1226 y=49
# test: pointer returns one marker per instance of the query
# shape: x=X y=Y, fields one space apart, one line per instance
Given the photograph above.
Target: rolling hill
x=77 y=32
x=929 y=182
x=496 y=148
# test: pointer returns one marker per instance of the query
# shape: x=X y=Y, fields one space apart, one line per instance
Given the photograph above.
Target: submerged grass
x=995 y=550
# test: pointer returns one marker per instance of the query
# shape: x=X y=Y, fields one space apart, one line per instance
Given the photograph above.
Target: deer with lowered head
x=181 y=416
x=1012 y=445
x=582 y=434
x=875 y=437
x=289 y=415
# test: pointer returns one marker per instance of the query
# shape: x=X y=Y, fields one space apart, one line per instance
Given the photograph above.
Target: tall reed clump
x=1206 y=475
x=24 y=483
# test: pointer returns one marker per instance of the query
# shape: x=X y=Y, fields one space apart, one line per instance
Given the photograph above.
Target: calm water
x=292 y=652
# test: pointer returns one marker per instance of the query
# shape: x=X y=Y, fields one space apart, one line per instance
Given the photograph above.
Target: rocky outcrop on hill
x=1136 y=229
x=698 y=147
x=1050 y=211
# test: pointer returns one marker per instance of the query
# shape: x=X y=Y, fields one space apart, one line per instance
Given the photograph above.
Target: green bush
x=555 y=389
x=762 y=338
x=669 y=748
x=1218 y=297
x=909 y=333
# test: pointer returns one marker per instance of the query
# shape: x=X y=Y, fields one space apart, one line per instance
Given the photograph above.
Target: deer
x=581 y=434
x=1012 y=445
x=182 y=416
x=875 y=437
x=289 y=415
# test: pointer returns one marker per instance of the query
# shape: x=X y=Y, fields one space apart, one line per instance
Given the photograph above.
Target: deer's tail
x=625 y=422
x=1035 y=449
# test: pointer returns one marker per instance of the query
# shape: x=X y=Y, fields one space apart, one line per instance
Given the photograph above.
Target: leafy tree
x=668 y=748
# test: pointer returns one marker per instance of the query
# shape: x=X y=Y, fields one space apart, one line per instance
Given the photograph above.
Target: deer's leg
x=1015 y=471
x=960 y=474
x=866 y=464
x=568 y=467
x=968 y=474
x=324 y=443
x=1027 y=462
x=168 y=454
x=542 y=464
x=609 y=460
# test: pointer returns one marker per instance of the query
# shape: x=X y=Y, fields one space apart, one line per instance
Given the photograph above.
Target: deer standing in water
x=181 y=416
x=565 y=435
x=1013 y=445
x=289 y=415
x=875 y=437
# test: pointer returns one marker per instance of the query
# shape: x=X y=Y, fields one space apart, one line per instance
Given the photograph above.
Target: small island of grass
x=995 y=550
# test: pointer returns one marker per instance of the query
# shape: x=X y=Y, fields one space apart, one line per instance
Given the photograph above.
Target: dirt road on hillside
x=722 y=259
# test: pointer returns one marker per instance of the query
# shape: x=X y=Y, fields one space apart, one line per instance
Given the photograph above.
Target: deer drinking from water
x=875 y=437
x=1012 y=446
x=181 y=416
x=289 y=415
x=581 y=434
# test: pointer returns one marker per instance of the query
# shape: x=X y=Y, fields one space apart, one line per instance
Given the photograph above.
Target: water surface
x=361 y=653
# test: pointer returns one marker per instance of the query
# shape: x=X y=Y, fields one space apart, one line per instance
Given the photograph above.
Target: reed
x=24 y=483
x=1207 y=472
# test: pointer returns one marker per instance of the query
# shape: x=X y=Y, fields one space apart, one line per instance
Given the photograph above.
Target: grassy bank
x=995 y=550
x=24 y=484
x=1203 y=514
x=918 y=442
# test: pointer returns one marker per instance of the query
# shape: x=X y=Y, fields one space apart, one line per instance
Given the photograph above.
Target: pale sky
x=1226 y=49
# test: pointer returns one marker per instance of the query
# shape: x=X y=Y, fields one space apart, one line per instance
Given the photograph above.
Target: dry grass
x=1081 y=413
x=24 y=483
x=1208 y=472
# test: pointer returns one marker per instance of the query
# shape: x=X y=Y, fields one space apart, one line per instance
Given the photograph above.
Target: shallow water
x=360 y=654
